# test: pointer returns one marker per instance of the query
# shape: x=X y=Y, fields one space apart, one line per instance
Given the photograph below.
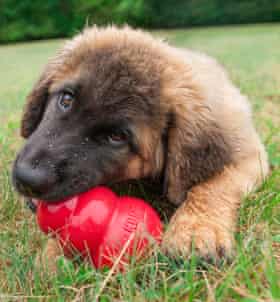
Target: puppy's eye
x=117 y=138
x=65 y=101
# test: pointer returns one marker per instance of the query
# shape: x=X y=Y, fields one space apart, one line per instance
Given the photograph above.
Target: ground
x=251 y=54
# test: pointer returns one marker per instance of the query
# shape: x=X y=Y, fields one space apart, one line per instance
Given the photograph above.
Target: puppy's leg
x=46 y=259
x=206 y=220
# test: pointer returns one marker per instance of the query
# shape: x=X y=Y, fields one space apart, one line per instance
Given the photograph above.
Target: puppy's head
x=107 y=108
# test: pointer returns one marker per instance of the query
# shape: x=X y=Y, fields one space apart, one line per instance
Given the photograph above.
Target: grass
x=251 y=54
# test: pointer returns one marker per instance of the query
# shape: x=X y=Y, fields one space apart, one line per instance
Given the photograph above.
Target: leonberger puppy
x=116 y=104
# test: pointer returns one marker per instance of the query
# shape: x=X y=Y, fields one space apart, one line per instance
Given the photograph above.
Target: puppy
x=116 y=104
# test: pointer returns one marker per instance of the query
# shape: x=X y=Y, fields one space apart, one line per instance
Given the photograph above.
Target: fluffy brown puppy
x=117 y=104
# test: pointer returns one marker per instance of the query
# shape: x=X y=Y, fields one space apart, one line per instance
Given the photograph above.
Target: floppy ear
x=196 y=150
x=35 y=106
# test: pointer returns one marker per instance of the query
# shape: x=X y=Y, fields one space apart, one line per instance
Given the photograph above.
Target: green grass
x=251 y=54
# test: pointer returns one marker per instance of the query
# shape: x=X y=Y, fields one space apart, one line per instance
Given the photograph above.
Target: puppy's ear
x=35 y=106
x=196 y=150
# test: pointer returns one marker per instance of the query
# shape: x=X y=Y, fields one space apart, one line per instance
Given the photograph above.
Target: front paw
x=207 y=239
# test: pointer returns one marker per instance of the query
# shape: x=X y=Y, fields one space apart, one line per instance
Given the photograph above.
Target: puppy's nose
x=30 y=180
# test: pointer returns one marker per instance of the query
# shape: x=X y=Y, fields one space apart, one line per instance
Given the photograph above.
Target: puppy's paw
x=209 y=241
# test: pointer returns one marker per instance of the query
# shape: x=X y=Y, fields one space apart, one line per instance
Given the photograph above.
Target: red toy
x=101 y=225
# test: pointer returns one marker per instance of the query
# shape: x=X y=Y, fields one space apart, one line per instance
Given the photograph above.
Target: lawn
x=251 y=54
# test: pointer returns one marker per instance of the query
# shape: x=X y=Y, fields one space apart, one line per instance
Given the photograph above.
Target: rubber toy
x=101 y=226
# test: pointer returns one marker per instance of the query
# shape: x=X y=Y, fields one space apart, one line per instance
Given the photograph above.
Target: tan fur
x=208 y=111
x=207 y=220
x=137 y=168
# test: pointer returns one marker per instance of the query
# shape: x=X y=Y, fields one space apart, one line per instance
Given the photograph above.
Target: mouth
x=32 y=201
x=31 y=204
x=56 y=194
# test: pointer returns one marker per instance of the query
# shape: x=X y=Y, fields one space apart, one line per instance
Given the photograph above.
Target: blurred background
x=33 y=19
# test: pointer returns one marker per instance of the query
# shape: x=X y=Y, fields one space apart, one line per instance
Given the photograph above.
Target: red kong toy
x=101 y=225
